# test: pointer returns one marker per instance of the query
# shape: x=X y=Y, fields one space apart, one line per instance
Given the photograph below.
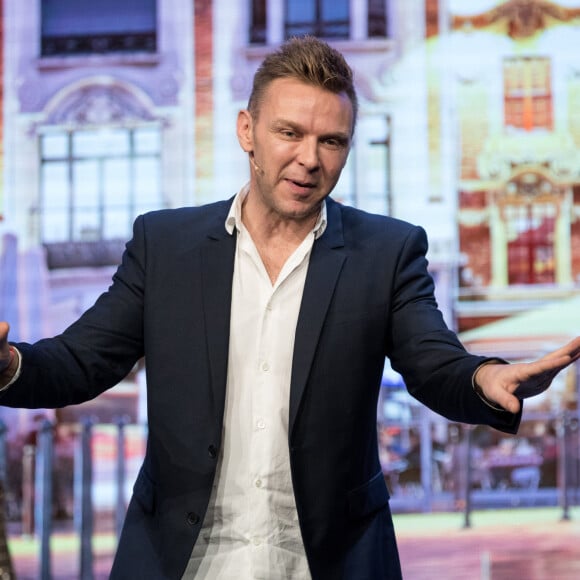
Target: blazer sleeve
x=434 y=364
x=95 y=352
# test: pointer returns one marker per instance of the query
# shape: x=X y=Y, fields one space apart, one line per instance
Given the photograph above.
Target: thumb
x=5 y=356
x=4 y=329
x=507 y=401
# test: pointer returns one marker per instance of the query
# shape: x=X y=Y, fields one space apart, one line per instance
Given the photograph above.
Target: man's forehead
x=295 y=93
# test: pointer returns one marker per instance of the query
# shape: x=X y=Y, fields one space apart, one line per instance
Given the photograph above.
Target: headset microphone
x=256 y=166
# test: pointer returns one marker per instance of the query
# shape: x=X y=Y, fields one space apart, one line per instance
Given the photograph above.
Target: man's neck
x=275 y=238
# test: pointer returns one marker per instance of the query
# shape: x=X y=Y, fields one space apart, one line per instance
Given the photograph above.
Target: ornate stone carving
x=523 y=18
x=98 y=104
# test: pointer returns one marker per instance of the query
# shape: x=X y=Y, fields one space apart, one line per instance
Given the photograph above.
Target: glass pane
x=54 y=146
x=86 y=225
x=335 y=18
x=81 y=17
x=333 y=10
x=300 y=11
x=117 y=224
x=377 y=18
x=147 y=181
x=343 y=191
x=54 y=226
x=142 y=207
x=147 y=140
x=87 y=144
x=54 y=185
x=376 y=171
x=116 y=182
x=258 y=21
x=115 y=141
x=101 y=142
x=86 y=183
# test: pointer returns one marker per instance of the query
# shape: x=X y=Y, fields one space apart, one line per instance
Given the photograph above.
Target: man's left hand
x=506 y=385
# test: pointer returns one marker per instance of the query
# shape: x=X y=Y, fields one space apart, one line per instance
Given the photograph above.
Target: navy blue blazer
x=367 y=296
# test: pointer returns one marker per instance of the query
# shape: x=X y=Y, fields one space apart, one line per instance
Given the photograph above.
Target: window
x=323 y=18
x=528 y=93
x=530 y=214
x=378 y=173
x=258 y=20
x=109 y=26
x=530 y=243
x=365 y=181
x=331 y=19
x=94 y=182
x=377 y=19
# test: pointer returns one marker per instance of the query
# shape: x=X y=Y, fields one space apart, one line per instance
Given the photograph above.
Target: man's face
x=298 y=146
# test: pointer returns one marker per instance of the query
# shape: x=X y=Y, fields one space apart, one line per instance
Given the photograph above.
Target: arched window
x=100 y=163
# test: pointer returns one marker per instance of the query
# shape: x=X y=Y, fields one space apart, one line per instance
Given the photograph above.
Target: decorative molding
x=98 y=104
x=555 y=154
x=522 y=18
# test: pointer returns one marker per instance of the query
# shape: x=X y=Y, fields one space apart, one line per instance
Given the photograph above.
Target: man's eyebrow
x=286 y=123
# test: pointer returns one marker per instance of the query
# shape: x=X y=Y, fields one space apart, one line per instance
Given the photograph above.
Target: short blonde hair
x=307 y=59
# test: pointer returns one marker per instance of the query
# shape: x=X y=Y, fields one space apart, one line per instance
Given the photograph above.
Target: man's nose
x=308 y=154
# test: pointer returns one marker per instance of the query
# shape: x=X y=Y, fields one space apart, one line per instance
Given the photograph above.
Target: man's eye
x=334 y=143
x=288 y=134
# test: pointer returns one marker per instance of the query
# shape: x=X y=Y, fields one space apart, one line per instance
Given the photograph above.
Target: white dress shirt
x=251 y=528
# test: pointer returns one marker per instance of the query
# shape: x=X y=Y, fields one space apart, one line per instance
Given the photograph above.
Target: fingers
x=4 y=328
x=507 y=401
x=506 y=385
x=552 y=365
x=571 y=351
x=5 y=356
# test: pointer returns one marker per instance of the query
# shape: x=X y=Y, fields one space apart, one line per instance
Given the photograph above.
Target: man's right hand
x=6 y=355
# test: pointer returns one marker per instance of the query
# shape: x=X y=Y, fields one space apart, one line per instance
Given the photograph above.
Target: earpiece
x=256 y=166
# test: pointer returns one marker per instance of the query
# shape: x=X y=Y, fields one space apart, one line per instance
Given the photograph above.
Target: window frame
x=70 y=209
x=106 y=42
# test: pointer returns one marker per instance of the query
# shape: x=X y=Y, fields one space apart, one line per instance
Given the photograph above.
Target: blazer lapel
x=218 y=256
x=326 y=262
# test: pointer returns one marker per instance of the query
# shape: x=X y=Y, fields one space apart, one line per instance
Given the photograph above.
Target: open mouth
x=302 y=184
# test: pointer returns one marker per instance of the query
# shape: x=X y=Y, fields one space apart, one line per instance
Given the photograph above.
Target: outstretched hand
x=506 y=385
x=5 y=356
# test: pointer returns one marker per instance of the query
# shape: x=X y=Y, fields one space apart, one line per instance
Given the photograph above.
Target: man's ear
x=244 y=129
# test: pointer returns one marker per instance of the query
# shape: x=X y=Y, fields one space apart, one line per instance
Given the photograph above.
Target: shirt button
x=258 y=483
x=192 y=519
x=212 y=451
x=265 y=366
x=256 y=541
x=260 y=424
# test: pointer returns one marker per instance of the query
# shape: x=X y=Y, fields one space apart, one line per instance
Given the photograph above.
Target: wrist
x=477 y=387
x=7 y=374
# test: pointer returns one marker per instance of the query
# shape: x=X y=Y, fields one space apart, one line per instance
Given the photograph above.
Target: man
x=265 y=321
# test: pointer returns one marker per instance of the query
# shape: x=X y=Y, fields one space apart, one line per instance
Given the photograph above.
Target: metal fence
x=40 y=496
x=465 y=469
x=431 y=464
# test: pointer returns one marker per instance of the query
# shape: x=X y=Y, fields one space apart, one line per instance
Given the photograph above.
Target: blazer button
x=192 y=519
x=212 y=451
